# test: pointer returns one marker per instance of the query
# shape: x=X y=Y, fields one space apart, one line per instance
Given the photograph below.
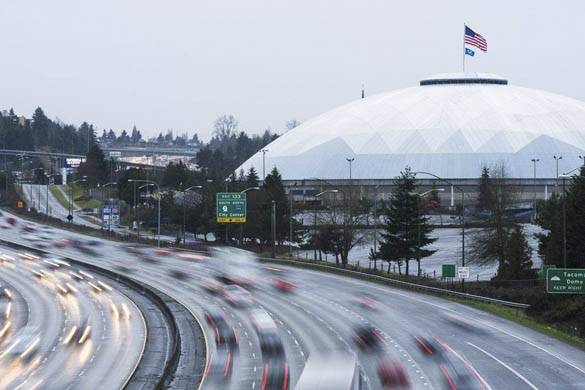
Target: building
x=450 y=125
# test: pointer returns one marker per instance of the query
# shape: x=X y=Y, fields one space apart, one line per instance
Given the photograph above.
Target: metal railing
x=401 y=283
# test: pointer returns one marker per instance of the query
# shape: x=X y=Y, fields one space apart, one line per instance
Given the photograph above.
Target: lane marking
x=506 y=366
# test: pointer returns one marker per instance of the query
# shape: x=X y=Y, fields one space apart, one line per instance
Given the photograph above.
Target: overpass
x=61 y=156
x=139 y=151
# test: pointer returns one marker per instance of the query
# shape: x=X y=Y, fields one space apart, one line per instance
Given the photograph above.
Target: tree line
x=43 y=134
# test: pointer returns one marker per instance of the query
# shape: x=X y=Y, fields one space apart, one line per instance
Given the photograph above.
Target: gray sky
x=180 y=64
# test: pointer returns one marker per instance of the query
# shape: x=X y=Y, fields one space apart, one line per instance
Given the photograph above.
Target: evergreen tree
x=485 y=199
x=95 y=167
x=517 y=264
x=252 y=178
x=40 y=127
x=575 y=226
x=406 y=231
x=174 y=175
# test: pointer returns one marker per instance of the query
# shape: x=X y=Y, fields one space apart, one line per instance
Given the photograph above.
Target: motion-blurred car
x=78 y=334
x=430 y=346
x=120 y=311
x=219 y=368
x=225 y=333
x=459 y=375
x=263 y=322
x=393 y=375
x=237 y=296
x=367 y=338
x=213 y=288
x=276 y=370
x=283 y=284
x=367 y=301
x=24 y=345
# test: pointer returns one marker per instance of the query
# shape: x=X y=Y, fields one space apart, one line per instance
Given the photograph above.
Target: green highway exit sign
x=565 y=281
x=231 y=207
x=448 y=271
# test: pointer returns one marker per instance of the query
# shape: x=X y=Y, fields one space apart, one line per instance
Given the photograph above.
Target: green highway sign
x=448 y=271
x=565 y=281
x=231 y=207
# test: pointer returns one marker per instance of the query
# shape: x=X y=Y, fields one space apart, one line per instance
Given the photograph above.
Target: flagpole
x=463 y=52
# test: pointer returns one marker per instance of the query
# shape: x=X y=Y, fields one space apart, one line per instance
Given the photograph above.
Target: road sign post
x=463 y=272
x=110 y=216
x=565 y=281
x=448 y=271
x=231 y=207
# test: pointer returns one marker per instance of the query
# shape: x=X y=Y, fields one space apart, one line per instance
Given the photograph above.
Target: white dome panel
x=450 y=125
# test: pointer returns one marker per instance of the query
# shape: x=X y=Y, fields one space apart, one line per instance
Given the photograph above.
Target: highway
x=88 y=333
x=320 y=316
x=35 y=192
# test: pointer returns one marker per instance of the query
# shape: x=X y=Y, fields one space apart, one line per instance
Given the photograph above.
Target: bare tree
x=292 y=124
x=224 y=127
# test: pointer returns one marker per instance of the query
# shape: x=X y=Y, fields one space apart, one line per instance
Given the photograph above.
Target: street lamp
x=557 y=180
x=149 y=182
x=564 y=176
x=418 y=216
x=241 y=224
x=264 y=164
x=462 y=218
x=39 y=189
x=48 y=184
x=315 y=219
x=582 y=158
x=184 y=211
x=534 y=161
x=71 y=197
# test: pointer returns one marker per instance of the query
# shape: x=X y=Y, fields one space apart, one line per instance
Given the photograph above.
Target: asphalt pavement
x=321 y=315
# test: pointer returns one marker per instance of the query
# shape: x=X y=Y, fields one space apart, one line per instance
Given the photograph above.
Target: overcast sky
x=180 y=64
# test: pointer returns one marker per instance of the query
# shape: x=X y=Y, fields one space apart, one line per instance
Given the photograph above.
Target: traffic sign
x=231 y=207
x=565 y=281
x=70 y=217
x=111 y=215
x=463 y=272
x=448 y=271
x=20 y=204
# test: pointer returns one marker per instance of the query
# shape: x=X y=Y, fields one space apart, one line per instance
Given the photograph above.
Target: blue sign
x=110 y=215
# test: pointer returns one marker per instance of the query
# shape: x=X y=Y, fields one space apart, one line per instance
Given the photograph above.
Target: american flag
x=474 y=39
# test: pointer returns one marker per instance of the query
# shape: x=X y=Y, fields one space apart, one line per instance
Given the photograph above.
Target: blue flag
x=469 y=52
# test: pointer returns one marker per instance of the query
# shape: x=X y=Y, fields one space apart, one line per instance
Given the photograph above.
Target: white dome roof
x=450 y=126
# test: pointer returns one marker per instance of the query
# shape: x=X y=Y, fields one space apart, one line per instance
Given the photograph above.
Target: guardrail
x=153 y=294
x=400 y=283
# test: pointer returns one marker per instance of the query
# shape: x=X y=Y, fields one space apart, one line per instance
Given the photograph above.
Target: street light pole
x=241 y=223
x=564 y=176
x=264 y=164
x=557 y=179
x=462 y=218
x=149 y=182
x=273 y=220
x=315 y=219
x=535 y=160
x=184 y=212
x=419 y=197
